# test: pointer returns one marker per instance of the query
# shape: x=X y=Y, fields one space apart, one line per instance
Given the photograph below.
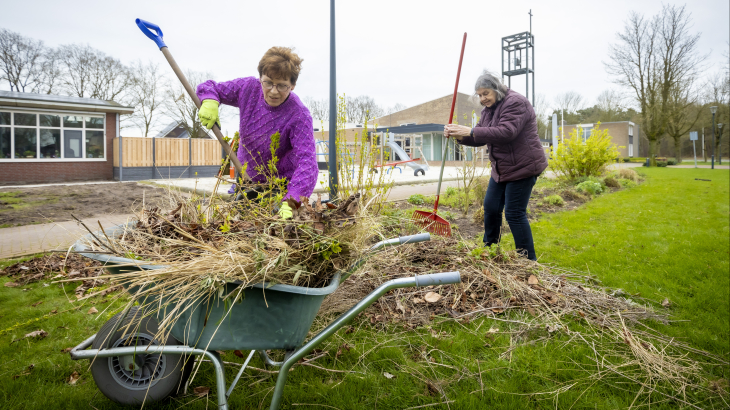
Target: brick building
x=50 y=138
x=621 y=132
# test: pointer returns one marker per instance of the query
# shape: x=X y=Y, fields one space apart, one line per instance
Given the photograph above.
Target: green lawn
x=667 y=238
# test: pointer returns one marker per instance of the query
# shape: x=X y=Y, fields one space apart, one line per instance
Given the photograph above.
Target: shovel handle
x=146 y=28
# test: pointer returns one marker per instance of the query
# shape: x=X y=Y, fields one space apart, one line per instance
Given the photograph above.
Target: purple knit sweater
x=259 y=121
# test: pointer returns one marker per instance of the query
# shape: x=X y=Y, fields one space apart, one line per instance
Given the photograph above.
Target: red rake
x=430 y=221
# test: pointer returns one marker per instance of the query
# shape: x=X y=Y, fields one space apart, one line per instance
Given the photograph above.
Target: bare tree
x=320 y=109
x=717 y=93
x=92 y=74
x=395 y=108
x=146 y=95
x=611 y=104
x=21 y=60
x=682 y=113
x=181 y=108
x=570 y=102
x=541 y=112
x=651 y=57
x=51 y=75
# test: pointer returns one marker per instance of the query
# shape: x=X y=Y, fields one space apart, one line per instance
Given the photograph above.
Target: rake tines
x=432 y=223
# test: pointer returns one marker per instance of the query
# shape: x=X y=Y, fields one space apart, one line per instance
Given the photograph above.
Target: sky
x=395 y=51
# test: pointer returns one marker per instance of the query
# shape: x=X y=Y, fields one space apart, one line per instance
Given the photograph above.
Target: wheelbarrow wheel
x=139 y=378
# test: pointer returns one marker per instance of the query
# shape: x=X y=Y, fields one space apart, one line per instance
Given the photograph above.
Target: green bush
x=627 y=183
x=554 y=200
x=573 y=195
x=451 y=191
x=626 y=159
x=661 y=163
x=628 y=173
x=478 y=216
x=610 y=181
x=417 y=199
x=671 y=162
x=589 y=187
x=480 y=190
x=577 y=158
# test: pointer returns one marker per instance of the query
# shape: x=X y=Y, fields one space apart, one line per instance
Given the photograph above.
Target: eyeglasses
x=269 y=85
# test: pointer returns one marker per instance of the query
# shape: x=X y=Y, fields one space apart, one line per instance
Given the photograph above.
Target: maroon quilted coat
x=509 y=130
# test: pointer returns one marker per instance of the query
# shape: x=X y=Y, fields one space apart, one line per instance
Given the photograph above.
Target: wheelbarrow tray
x=267 y=316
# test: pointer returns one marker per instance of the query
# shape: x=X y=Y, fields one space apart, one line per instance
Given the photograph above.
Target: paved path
x=24 y=240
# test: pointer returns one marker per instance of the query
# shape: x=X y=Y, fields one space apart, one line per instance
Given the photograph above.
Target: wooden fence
x=168 y=152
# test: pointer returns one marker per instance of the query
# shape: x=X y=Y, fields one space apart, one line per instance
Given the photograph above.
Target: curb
x=200 y=191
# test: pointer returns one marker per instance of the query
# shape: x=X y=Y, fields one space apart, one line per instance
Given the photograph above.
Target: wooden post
x=190 y=157
x=154 y=158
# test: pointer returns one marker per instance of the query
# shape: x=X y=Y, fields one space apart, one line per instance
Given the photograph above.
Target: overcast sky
x=395 y=51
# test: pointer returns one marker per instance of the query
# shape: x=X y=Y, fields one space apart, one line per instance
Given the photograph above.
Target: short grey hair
x=492 y=82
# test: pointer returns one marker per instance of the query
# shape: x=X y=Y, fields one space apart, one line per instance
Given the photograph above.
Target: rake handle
x=451 y=117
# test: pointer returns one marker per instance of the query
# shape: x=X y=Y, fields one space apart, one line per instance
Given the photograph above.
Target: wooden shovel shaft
x=451 y=117
x=216 y=131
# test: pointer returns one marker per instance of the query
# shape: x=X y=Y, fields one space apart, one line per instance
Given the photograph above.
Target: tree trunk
x=678 y=150
x=653 y=142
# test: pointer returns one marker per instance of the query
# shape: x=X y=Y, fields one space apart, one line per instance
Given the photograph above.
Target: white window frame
x=38 y=127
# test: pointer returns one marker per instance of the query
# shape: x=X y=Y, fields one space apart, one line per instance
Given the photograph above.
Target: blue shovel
x=147 y=28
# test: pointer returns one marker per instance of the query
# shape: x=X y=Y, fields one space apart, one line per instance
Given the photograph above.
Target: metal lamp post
x=719 y=143
x=713 y=109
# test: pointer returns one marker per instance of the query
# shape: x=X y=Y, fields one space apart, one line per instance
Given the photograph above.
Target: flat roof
x=60 y=102
x=412 y=129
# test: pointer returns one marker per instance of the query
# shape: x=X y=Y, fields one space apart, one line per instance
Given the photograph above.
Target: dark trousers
x=512 y=197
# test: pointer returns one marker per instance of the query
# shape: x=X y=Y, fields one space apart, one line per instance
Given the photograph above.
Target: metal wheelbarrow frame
x=249 y=338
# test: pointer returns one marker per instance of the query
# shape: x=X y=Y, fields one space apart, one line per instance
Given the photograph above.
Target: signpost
x=693 y=138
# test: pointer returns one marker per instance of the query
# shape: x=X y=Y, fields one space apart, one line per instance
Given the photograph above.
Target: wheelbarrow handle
x=147 y=28
x=444 y=278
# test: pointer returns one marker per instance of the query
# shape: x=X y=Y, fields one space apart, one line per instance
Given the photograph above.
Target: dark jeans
x=512 y=197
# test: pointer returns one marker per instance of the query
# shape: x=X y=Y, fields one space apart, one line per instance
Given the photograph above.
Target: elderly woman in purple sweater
x=508 y=127
x=267 y=105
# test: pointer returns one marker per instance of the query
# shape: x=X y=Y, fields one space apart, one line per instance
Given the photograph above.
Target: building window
x=587 y=133
x=51 y=136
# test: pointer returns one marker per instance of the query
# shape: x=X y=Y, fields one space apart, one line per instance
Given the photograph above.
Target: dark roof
x=62 y=102
x=176 y=130
x=412 y=129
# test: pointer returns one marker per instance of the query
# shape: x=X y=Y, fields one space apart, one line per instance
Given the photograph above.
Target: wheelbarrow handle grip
x=444 y=278
x=421 y=237
x=146 y=28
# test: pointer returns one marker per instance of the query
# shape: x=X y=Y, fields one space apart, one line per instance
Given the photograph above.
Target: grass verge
x=667 y=238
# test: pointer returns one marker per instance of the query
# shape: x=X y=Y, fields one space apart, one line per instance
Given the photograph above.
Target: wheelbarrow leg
x=220 y=379
x=418 y=280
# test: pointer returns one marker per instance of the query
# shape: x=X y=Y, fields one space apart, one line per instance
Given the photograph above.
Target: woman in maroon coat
x=508 y=127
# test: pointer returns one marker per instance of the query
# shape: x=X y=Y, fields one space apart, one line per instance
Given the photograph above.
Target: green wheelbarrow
x=130 y=366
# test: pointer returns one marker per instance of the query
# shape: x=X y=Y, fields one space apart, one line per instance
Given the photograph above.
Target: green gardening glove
x=208 y=114
x=285 y=211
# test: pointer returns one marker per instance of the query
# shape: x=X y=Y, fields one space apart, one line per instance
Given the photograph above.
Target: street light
x=719 y=142
x=713 y=109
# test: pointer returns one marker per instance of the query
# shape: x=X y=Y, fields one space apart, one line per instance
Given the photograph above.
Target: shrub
x=554 y=200
x=589 y=187
x=661 y=163
x=627 y=183
x=610 y=181
x=417 y=199
x=626 y=159
x=628 y=173
x=573 y=195
x=577 y=158
x=478 y=216
x=480 y=190
x=451 y=191
x=671 y=162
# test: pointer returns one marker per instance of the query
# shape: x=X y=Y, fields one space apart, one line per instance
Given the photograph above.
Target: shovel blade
x=432 y=223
